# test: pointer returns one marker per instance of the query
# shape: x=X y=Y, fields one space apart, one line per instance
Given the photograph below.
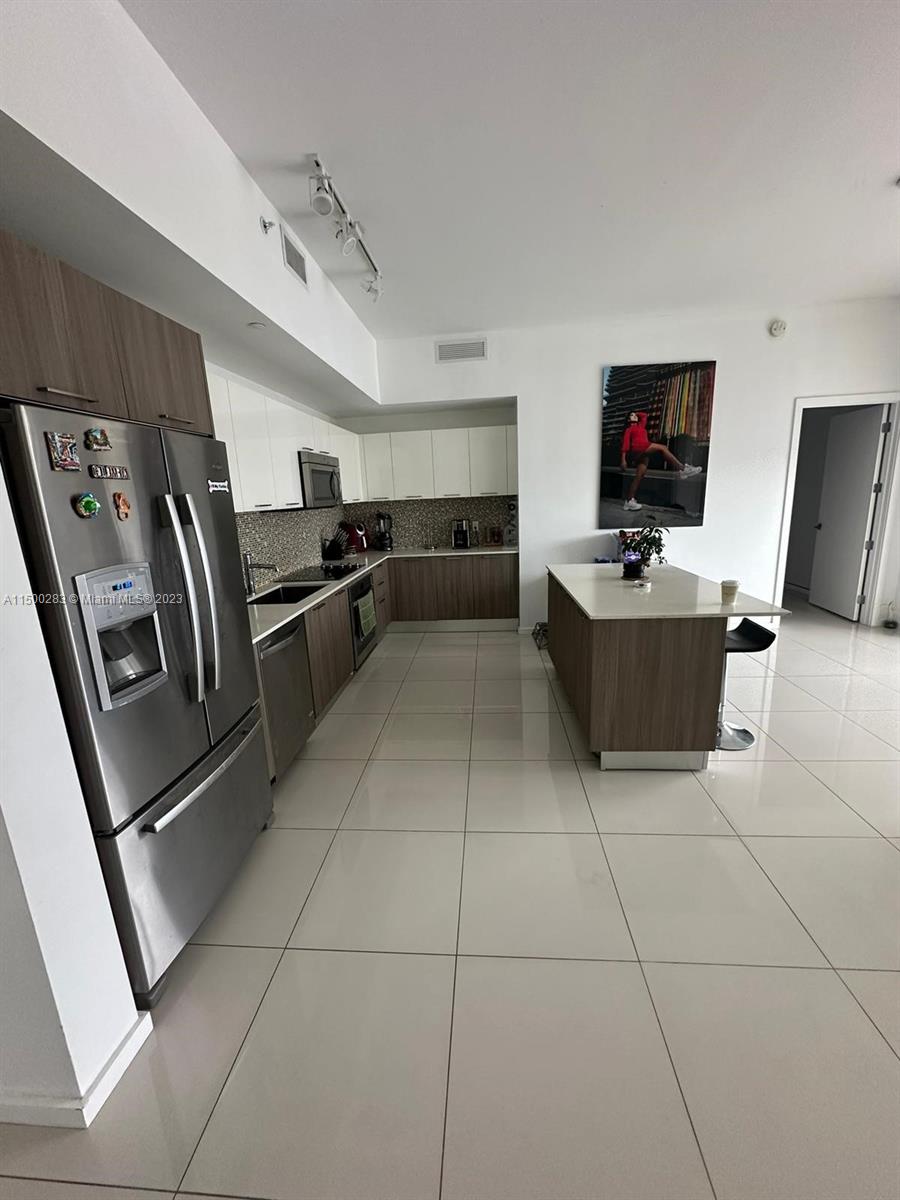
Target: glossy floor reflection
x=464 y=964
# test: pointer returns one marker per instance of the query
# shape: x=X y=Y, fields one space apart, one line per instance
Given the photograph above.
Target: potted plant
x=641 y=546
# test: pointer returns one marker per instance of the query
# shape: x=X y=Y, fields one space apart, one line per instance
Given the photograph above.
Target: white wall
x=66 y=1008
x=81 y=77
x=555 y=375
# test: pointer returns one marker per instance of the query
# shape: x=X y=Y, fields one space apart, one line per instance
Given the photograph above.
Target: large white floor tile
x=823 y=735
x=146 y=1131
x=885 y=725
x=397 y=645
x=770 y=693
x=504 y=638
x=746 y=666
x=577 y=739
x=261 y=906
x=779 y=798
x=561 y=1087
x=791 y=660
x=704 y=899
x=339 y=1090
x=439 y=638
x=43 y=1189
x=385 y=891
x=339 y=736
x=507 y=736
x=313 y=794
x=463 y=650
x=844 y=692
x=527 y=797
x=846 y=891
x=435 y=696
x=435 y=667
x=366 y=696
x=540 y=895
x=384 y=670
x=514 y=695
x=510 y=666
x=879 y=994
x=650 y=802
x=564 y=704
x=871 y=788
x=425 y=735
x=792 y=1092
x=410 y=795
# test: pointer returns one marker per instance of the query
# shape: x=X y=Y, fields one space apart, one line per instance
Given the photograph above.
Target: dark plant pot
x=633 y=570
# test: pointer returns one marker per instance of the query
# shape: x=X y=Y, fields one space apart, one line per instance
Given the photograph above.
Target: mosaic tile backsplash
x=427 y=522
x=292 y=538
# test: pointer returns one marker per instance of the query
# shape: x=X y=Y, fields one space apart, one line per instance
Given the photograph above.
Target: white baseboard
x=78 y=1113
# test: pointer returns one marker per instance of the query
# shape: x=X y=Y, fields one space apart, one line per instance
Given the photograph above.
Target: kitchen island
x=643 y=669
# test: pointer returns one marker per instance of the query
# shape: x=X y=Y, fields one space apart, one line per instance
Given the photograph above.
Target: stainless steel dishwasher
x=286 y=690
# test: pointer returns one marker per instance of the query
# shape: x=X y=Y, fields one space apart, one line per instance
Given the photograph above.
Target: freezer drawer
x=166 y=870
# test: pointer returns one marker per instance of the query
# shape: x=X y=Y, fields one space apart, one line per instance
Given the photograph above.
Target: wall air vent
x=470 y=350
x=294 y=258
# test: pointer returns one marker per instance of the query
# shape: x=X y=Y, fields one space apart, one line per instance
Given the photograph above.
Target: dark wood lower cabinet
x=329 y=639
x=468 y=587
x=381 y=582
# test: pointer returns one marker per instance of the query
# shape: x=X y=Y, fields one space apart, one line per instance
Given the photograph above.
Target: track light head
x=321 y=198
x=348 y=234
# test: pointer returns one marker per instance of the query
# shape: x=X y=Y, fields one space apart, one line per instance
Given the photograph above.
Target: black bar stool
x=747 y=638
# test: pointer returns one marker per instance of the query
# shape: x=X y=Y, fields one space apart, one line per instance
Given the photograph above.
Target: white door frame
x=801 y=404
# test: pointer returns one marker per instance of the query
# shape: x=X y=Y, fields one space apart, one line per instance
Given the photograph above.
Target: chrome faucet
x=249 y=567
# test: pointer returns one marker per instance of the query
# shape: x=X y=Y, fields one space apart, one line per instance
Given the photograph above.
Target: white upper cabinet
x=487 y=460
x=288 y=429
x=345 y=446
x=251 y=438
x=379 y=468
x=413 y=471
x=224 y=431
x=512 y=459
x=450 y=452
x=321 y=435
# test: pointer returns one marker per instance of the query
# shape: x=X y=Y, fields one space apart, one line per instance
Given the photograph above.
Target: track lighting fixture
x=374 y=287
x=325 y=200
x=320 y=195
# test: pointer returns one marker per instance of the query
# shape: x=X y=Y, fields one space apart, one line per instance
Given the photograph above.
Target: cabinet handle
x=288 y=504
x=412 y=496
x=180 y=420
x=316 y=607
x=447 y=495
x=488 y=493
x=268 y=505
x=379 y=497
x=52 y=391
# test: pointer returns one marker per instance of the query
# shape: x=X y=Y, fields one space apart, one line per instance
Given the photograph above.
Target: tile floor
x=464 y=963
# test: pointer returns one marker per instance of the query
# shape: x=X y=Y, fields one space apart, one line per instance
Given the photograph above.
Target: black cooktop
x=326 y=570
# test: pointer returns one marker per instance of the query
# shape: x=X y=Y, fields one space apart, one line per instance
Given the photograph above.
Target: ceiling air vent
x=471 y=350
x=294 y=258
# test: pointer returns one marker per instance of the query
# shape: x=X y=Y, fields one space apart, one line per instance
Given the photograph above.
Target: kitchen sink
x=287 y=593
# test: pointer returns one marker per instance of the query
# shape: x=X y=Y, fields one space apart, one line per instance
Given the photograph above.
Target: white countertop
x=264 y=618
x=603 y=595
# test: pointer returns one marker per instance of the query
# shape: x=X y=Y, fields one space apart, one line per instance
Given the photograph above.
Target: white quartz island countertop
x=603 y=595
x=265 y=618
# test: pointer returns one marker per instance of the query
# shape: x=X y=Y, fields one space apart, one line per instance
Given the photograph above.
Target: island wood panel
x=495 y=580
x=329 y=639
x=570 y=643
x=661 y=683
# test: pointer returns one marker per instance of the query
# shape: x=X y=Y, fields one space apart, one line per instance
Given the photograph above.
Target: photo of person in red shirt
x=636 y=451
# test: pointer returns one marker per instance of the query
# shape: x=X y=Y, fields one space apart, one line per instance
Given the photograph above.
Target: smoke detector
x=777 y=328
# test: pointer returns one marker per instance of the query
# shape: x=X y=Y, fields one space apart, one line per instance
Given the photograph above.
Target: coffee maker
x=381 y=539
x=459 y=535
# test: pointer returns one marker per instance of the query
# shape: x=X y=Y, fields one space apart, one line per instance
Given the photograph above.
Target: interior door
x=846 y=508
x=198 y=476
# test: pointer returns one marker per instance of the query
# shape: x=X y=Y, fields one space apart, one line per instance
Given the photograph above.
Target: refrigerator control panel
x=118 y=594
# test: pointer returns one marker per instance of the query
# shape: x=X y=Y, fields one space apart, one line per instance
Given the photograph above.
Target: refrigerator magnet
x=96 y=438
x=86 y=505
x=122 y=505
x=63 y=451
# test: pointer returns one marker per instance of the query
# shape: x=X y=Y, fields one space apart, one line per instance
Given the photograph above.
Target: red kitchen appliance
x=357 y=537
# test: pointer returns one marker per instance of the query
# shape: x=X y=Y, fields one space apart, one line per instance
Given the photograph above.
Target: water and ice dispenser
x=118 y=606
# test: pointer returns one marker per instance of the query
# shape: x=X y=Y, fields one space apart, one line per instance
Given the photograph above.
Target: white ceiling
x=523 y=162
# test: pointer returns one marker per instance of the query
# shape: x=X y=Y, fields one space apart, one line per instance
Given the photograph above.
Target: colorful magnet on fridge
x=63 y=450
x=96 y=438
x=86 y=505
x=123 y=505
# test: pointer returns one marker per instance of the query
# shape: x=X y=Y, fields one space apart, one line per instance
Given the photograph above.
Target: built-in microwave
x=320 y=475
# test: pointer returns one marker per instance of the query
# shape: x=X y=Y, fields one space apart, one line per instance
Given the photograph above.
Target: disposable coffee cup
x=730 y=590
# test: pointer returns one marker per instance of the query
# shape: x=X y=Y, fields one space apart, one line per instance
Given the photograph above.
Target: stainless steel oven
x=320 y=475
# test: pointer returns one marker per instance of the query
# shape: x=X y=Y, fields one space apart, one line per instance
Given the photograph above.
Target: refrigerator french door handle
x=193 y=607
x=176 y=810
x=193 y=519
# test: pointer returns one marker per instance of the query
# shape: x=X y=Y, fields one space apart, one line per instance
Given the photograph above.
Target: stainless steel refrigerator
x=130 y=535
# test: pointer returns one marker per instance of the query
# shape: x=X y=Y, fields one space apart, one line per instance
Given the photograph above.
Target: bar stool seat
x=747 y=638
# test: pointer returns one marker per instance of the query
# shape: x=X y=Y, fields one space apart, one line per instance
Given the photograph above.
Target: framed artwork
x=654 y=444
